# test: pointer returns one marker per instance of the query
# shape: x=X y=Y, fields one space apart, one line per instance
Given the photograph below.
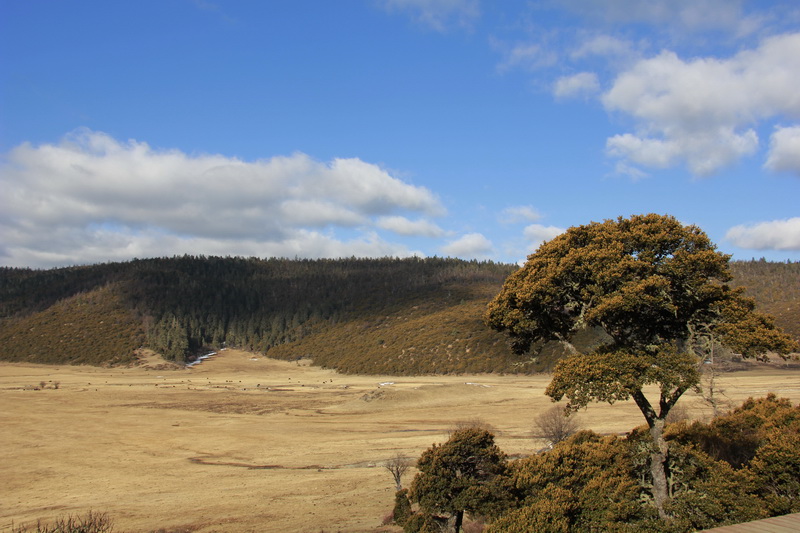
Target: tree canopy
x=646 y=280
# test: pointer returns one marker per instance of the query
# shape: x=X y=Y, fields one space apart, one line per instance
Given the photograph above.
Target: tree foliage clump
x=660 y=292
x=585 y=483
x=761 y=437
x=463 y=475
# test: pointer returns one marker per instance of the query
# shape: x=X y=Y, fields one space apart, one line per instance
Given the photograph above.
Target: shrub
x=402 y=507
x=554 y=425
x=91 y=522
x=465 y=475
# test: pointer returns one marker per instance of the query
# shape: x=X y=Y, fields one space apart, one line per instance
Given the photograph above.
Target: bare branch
x=554 y=425
x=397 y=466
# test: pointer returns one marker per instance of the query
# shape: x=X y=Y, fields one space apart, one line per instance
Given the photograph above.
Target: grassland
x=246 y=443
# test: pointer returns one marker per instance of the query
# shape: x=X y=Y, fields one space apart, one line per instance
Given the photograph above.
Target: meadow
x=242 y=442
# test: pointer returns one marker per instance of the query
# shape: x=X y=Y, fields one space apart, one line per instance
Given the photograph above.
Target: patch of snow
x=200 y=359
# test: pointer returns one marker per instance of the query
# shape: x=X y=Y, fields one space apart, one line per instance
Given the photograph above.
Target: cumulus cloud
x=92 y=198
x=581 y=84
x=438 y=14
x=784 y=152
x=519 y=213
x=700 y=112
x=773 y=235
x=403 y=226
x=536 y=234
x=469 y=246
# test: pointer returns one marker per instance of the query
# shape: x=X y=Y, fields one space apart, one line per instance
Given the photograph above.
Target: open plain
x=246 y=443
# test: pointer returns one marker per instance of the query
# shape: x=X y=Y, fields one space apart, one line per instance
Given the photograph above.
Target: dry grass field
x=246 y=443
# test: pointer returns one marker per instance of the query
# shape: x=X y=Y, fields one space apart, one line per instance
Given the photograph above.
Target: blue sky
x=330 y=128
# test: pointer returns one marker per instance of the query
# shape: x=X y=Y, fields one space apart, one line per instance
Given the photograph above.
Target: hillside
x=93 y=328
x=776 y=288
x=392 y=316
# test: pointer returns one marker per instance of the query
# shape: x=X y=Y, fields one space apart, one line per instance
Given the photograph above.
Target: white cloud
x=622 y=168
x=678 y=15
x=92 y=198
x=701 y=111
x=604 y=46
x=404 y=226
x=470 y=246
x=318 y=213
x=538 y=233
x=438 y=14
x=529 y=56
x=773 y=235
x=581 y=84
x=784 y=152
x=520 y=213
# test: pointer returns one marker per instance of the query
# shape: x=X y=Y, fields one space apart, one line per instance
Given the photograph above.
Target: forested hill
x=398 y=316
x=184 y=305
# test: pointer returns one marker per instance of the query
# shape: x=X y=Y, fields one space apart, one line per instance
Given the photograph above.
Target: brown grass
x=246 y=443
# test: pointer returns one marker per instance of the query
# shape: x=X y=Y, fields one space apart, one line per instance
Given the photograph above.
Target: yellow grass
x=246 y=443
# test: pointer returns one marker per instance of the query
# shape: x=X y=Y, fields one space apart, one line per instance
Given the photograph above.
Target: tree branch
x=644 y=407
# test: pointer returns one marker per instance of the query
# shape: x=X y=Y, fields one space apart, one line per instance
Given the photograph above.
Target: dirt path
x=245 y=443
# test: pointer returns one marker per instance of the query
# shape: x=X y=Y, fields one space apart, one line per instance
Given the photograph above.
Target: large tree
x=659 y=290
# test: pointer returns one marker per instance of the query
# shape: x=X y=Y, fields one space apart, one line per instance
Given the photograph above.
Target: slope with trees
x=353 y=314
x=776 y=288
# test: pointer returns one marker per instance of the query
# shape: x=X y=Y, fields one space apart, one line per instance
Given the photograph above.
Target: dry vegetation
x=89 y=328
x=246 y=443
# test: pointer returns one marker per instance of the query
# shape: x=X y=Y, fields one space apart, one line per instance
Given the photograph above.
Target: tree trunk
x=459 y=519
x=658 y=460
